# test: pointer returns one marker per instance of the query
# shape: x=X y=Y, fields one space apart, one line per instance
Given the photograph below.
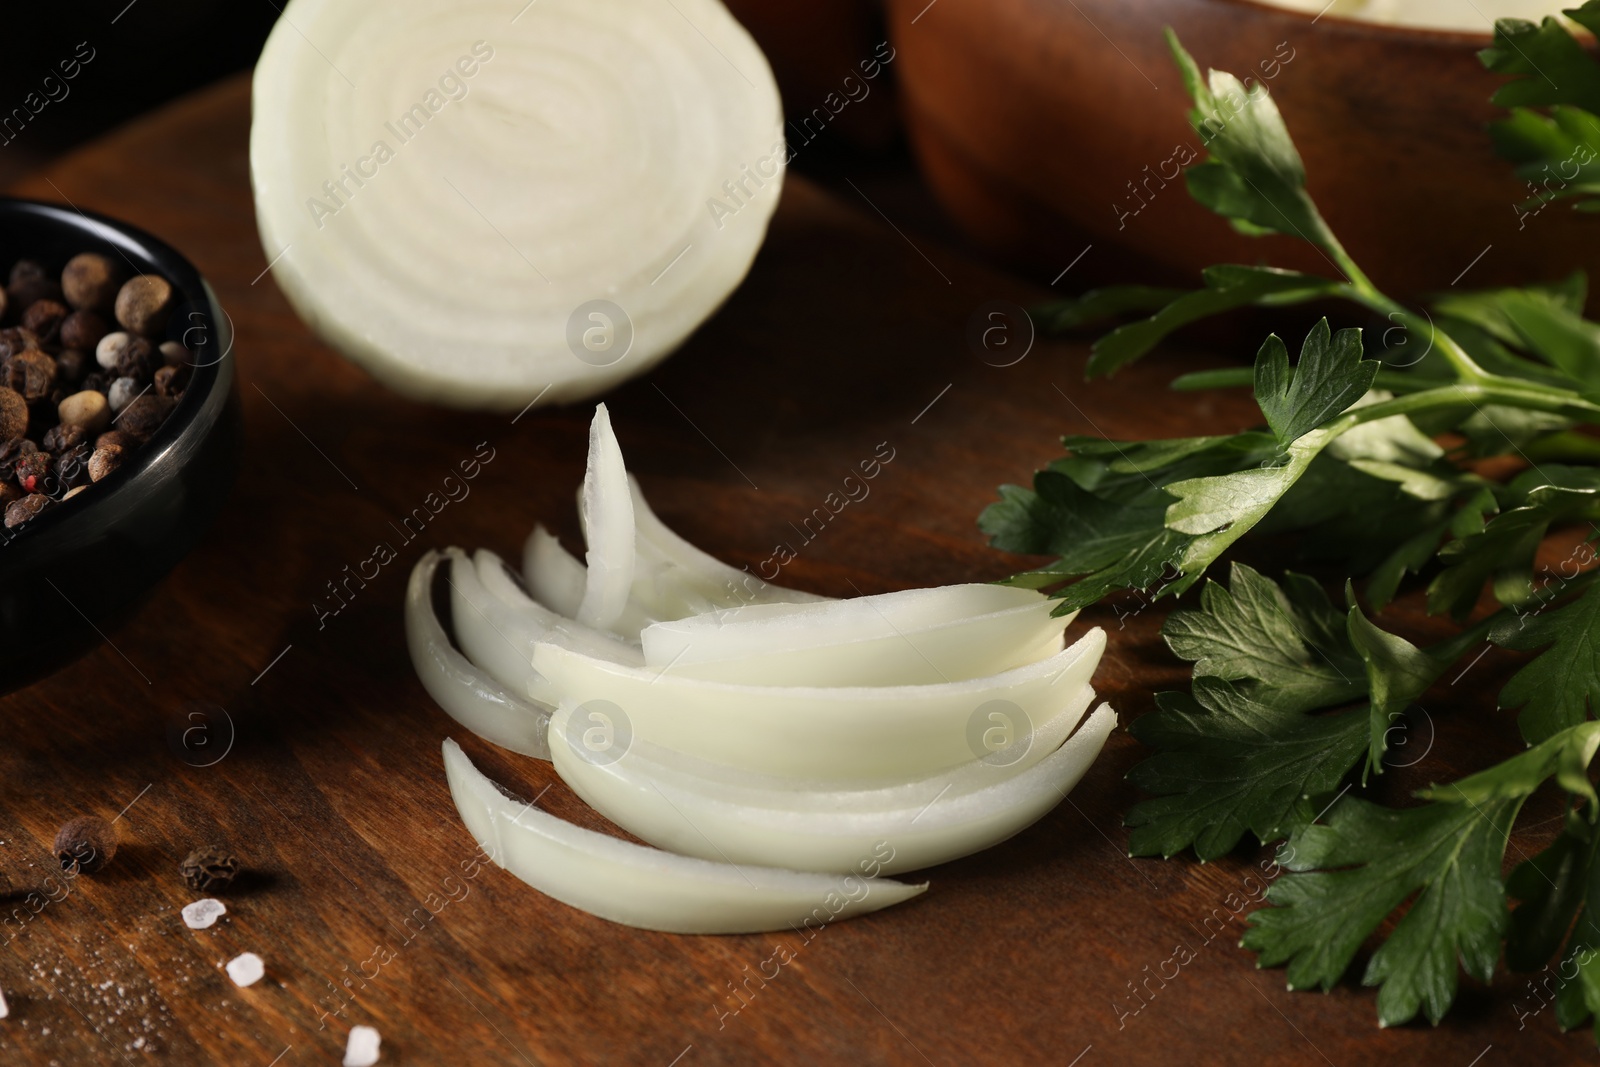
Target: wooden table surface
x=845 y=335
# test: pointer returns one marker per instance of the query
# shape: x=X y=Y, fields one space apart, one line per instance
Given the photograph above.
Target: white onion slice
x=467 y=693
x=698 y=572
x=932 y=820
x=496 y=578
x=488 y=206
x=875 y=732
x=606 y=511
x=494 y=636
x=644 y=887
x=914 y=637
x=555 y=576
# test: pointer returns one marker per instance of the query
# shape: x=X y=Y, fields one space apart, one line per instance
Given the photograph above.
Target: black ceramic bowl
x=79 y=568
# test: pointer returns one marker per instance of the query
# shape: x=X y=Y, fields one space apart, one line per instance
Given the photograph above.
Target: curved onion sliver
x=645 y=887
x=869 y=732
x=495 y=577
x=606 y=508
x=932 y=820
x=555 y=576
x=467 y=694
x=914 y=637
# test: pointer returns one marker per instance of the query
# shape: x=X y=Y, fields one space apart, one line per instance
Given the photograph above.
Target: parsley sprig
x=1372 y=460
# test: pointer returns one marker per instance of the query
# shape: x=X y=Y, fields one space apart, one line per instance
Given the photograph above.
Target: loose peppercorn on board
x=262 y=701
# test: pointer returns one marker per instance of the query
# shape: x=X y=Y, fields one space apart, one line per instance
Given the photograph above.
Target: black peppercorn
x=86 y=844
x=31 y=373
x=61 y=438
x=209 y=869
x=20 y=511
x=91 y=280
x=16 y=339
x=172 y=380
x=71 y=365
x=30 y=282
x=44 y=317
x=103 y=461
x=82 y=329
x=13 y=415
x=144 y=416
x=72 y=467
x=135 y=359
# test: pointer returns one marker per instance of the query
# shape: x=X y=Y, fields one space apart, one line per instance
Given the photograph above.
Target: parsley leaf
x=1330 y=377
x=1556 y=690
x=1356 y=869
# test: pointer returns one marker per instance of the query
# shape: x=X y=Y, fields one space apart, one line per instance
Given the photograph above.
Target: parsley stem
x=1494 y=390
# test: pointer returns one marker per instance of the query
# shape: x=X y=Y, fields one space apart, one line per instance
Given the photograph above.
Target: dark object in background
x=69 y=574
x=1040 y=136
x=124 y=58
x=829 y=59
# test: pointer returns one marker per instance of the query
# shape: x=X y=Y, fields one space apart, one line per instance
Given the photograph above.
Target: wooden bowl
x=1044 y=127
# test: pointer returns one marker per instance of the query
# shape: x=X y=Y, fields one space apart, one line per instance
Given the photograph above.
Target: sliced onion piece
x=496 y=578
x=645 y=887
x=914 y=637
x=718 y=584
x=606 y=510
x=488 y=206
x=468 y=694
x=931 y=820
x=871 y=732
x=555 y=577
x=492 y=634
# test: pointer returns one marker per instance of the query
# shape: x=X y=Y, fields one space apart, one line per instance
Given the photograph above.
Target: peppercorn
x=44 y=317
x=122 y=393
x=65 y=436
x=105 y=460
x=31 y=373
x=115 y=439
x=83 y=329
x=174 y=354
x=15 y=339
x=135 y=359
x=209 y=869
x=13 y=414
x=94 y=380
x=144 y=416
x=91 y=280
x=8 y=493
x=72 y=466
x=172 y=381
x=86 y=844
x=30 y=282
x=88 y=409
x=71 y=364
x=143 y=304
x=20 y=511
x=34 y=472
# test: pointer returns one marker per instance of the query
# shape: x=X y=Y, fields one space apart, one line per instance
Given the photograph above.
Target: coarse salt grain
x=5 y=1009
x=362 y=1048
x=246 y=969
x=203 y=913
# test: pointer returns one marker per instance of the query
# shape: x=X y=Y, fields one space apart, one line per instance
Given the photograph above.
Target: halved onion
x=913 y=637
x=926 y=821
x=488 y=203
x=645 y=887
x=467 y=693
x=878 y=732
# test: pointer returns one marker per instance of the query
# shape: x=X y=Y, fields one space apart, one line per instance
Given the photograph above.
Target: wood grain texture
x=332 y=789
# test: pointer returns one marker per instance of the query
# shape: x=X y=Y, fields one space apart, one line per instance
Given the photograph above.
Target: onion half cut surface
x=467 y=693
x=879 y=733
x=923 y=822
x=645 y=887
x=489 y=207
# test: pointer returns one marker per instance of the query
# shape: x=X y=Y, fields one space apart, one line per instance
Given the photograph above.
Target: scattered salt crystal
x=203 y=913
x=246 y=969
x=5 y=1009
x=362 y=1048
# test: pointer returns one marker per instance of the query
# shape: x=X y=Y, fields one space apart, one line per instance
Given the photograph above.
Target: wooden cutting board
x=848 y=337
